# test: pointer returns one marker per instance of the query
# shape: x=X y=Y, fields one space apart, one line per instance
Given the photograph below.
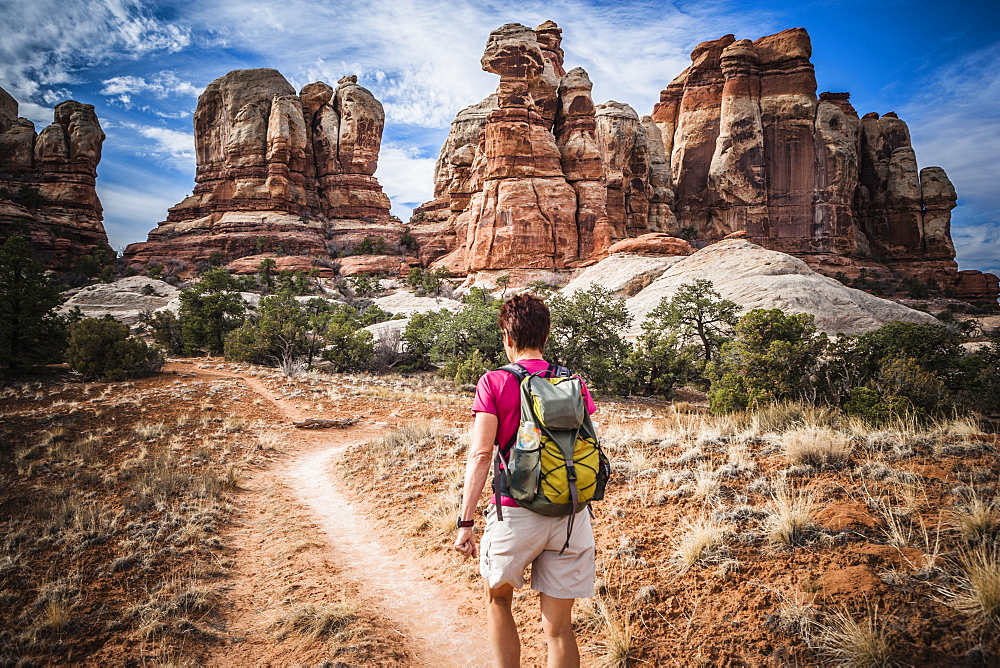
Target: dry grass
x=701 y=537
x=314 y=622
x=618 y=633
x=976 y=519
x=978 y=589
x=857 y=643
x=150 y=431
x=816 y=446
x=790 y=522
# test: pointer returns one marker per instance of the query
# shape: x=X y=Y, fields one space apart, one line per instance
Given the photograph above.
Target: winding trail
x=385 y=575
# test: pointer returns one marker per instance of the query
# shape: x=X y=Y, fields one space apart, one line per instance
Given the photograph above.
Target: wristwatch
x=463 y=524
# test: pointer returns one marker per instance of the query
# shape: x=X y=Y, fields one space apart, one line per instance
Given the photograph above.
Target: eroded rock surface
x=755 y=277
x=277 y=172
x=47 y=182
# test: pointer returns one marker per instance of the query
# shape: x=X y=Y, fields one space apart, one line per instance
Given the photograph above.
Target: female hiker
x=562 y=561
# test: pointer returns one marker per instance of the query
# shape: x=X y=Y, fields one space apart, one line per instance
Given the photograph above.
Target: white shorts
x=525 y=537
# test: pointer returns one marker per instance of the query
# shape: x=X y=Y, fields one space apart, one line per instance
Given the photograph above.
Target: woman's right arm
x=477 y=470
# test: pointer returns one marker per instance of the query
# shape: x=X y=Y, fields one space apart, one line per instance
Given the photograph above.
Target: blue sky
x=143 y=64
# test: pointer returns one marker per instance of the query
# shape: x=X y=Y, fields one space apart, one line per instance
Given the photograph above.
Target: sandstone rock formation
x=751 y=147
x=535 y=176
x=739 y=143
x=47 y=182
x=125 y=299
x=277 y=172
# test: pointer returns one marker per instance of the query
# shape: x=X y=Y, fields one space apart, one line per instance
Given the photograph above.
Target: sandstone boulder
x=125 y=299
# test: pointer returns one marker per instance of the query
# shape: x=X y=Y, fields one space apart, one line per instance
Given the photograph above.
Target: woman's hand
x=465 y=542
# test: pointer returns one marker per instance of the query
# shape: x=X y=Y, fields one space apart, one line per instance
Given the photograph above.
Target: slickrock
x=125 y=299
x=47 y=182
x=755 y=277
x=277 y=171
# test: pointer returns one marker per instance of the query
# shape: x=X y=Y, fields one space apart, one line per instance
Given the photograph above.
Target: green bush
x=658 y=363
x=697 y=313
x=103 y=349
x=772 y=358
x=427 y=283
x=348 y=349
x=166 y=331
x=874 y=408
x=586 y=335
x=209 y=311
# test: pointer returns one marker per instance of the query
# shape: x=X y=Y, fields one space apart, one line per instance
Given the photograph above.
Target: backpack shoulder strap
x=516 y=369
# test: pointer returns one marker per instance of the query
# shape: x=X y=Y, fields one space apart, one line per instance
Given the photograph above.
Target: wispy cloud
x=173 y=148
x=955 y=125
x=160 y=85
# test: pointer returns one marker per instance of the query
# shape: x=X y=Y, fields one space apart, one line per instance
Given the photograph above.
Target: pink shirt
x=499 y=393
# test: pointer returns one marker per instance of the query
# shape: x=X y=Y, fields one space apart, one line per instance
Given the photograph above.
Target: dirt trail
x=385 y=576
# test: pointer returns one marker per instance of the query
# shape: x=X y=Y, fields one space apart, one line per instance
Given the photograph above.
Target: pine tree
x=30 y=330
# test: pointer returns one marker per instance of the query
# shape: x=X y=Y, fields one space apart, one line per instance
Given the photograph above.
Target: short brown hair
x=525 y=319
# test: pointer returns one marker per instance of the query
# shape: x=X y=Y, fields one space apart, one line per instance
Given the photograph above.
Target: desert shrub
x=409 y=243
x=586 y=334
x=699 y=314
x=374 y=246
x=166 y=330
x=30 y=330
x=363 y=286
x=659 y=361
x=103 y=349
x=874 y=408
x=266 y=271
x=347 y=348
x=468 y=370
x=277 y=333
x=772 y=358
x=456 y=343
x=420 y=337
x=427 y=283
x=209 y=311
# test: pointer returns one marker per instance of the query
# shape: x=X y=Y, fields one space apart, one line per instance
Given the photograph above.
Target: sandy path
x=385 y=576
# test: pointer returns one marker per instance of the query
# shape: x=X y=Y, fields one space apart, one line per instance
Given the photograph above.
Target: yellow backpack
x=554 y=465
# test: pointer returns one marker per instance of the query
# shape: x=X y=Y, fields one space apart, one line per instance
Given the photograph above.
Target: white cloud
x=160 y=85
x=406 y=177
x=174 y=147
x=131 y=212
x=47 y=43
x=956 y=125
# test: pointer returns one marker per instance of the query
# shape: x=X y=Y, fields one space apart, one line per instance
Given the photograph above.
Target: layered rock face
x=47 y=182
x=535 y=176
x=277 y=171
x=752 y=148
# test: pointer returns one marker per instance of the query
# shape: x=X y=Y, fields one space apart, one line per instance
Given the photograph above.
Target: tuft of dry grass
x=977 y=519
x=816 y=446
x=150 y=431
x=313 y=622
x=618 y=633
x=858 y=643
x=702 y=536
x=790 y=521
x=978 y=589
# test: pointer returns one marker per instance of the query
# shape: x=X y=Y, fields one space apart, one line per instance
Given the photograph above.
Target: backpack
x=568 y=469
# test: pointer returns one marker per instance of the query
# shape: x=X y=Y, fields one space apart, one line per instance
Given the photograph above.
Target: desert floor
x=183 y=519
